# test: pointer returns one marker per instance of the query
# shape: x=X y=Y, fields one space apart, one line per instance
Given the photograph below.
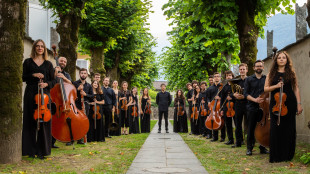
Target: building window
x=82 y=63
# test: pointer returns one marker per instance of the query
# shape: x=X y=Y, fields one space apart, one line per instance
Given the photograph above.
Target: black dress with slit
x=180 y=122
x=31 y=147
x=133 y=121
x=283 y=137
x=145 y=119
x=96 y=129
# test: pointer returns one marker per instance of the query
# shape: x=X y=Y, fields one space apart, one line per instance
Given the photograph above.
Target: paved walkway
x=165 y=153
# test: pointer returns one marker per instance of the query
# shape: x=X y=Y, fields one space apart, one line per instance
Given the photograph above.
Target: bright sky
x=159 y=26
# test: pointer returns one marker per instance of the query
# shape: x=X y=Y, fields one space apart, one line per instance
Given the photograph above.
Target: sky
x=159 y=26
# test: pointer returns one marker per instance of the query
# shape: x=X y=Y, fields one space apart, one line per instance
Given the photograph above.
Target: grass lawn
x=113 y=156
x=217 y=157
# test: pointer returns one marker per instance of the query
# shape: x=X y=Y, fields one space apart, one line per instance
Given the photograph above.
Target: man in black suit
x=163 y=100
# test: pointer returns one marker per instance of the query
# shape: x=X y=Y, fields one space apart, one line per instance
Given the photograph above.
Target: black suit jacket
x=163 y=100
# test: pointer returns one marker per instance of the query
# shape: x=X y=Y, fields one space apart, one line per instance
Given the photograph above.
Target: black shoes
x=229 y=142
x=213 y=140
x=222 y=140
x=109 y=136
x=264 y=151
x=41 y=157
x=68 y=144
x=80 y=142
x=167 y=131
x=209 y=136
x=236 y=145
x=53 y=146
x=159 y=131
x=249 y=152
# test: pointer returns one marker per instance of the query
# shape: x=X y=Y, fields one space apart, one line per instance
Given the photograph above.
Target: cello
x=68 y=123
x=215 y=121
x=262 y=129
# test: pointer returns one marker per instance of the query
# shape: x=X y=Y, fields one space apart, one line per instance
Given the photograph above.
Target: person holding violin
x=163 y=100
x=283 y=131
x=96 y=130
x=227 y=104
x=208 y=131
x=253 y=87
x=214 y=93
x=240 y=107
x=189 y=100
x=180 y=118
x=83 y=89
x=211 y=80
x=134 y=112
x=145 y=112
x=195 y=111
x=109 y=105
x=38 y=72
x=117 y=109
x=124 y=103
x=203 y=109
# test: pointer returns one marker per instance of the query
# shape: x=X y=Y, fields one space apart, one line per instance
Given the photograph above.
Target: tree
x=12 y=30
x=105 y=22
x=308 y=7
x=69 y=14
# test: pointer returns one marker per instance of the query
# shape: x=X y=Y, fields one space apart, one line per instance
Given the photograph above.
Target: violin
x=215 y=121
x=203 y=110
x=230 y=108
x=96 y=115
x=117 y=111
x=280 y=108
x=124 y=106
x=148 y=108
x=42 y=112
x=68 y=123
x=134 y=112
x=195 y=112
x=262 y=130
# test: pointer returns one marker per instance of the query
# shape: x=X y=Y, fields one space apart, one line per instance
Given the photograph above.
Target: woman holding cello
x=285 y=100
x=180 y=118
x=124 y=101
x=38 y=73
x=133 y=112
x=145 y=112
x=96 y=126
x=195 y=111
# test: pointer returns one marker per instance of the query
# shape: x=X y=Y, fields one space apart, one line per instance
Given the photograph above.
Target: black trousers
x=223 y=133
x=229 y=127
x=107 y=112
x=160 y=118
x=253 y=118
x=240 y=113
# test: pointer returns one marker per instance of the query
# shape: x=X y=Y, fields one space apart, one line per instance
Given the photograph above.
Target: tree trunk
x=248 y=33
x=97 y=61
x=308 y=7
x=12 y=31
x=114 y=73
x=68 y=29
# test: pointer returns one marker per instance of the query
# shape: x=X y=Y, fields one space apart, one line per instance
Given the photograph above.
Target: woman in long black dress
x=196 y=102
x=133 y=120
x=180 y=121
x=117 y=110
x=96 y=130
x=145 y=118
x=283 y=136
x=35 y=68
x=124 y=96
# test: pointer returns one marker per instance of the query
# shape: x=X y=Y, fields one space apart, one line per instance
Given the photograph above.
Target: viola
x=215 y=121
x=42 y=112
x=134 y=112
x=69 y=123
x=203 y=110
x=262 y=130
x=280 y=108
x=230 y=109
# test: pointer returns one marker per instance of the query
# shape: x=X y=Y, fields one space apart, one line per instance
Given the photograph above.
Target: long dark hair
x=195 y=91
x=289 y=75
x=98 y=90
x=177 y=95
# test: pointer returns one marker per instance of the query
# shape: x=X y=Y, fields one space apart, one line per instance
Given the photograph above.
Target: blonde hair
x=33 y=53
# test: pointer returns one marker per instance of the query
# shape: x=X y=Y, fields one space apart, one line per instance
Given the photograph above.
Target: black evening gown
x=195 y=123
x=145 y=119
x=44 y=140
x=124 y=115
x=96 y=134
x=283 y=137
x=117 y=119
x=180 y=122
x=133 y=121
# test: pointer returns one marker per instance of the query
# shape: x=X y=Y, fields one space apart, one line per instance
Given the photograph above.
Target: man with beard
x=85 y=89
x=253 y=87
x=60 y=73
x=109 y=105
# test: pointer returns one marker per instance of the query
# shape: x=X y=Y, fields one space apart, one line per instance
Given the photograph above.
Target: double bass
x=68 y=123
x=262 y=130
x=215 y=121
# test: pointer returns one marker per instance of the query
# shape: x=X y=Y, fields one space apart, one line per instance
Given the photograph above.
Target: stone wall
x=300 y=54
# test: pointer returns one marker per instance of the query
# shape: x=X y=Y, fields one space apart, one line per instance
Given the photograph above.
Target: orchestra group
x=213 y=107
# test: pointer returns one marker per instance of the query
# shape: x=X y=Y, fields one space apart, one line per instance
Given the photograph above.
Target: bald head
x=62 y=62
